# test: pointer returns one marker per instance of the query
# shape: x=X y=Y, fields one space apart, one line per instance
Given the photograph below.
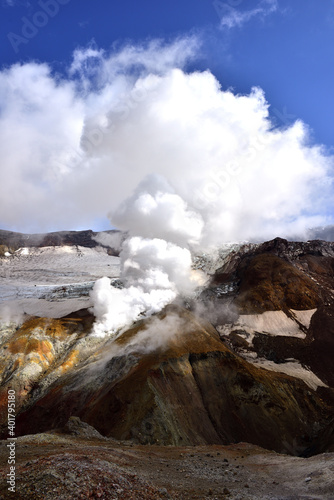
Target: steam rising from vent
x=154 y=272
x=113 y=240
x=155 y=210
x=11 y=312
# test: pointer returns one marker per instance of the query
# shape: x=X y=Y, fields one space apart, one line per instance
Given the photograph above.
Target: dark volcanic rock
x=284 y=276
x=269 y=283
x=315 y=352
x=14 y=240
x=190 y=389
x=279 y=275
x=75 y=427
x=65 y=467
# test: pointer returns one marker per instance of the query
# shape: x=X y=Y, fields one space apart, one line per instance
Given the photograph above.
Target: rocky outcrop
x=282 y=302
x=39 y=347
x=252 y=361
x=278 y=275
x=186 y=389
x=315 y=351
x=269 y=283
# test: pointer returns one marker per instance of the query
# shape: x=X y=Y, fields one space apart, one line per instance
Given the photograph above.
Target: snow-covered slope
x=52 y=281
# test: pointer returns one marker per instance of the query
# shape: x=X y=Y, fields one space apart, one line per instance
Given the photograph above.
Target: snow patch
x=270 y=323
x=52 y=281
x=292 y=368
x=22 y=251
x=303 y=317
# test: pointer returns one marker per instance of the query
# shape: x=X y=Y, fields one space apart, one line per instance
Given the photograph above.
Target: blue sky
x=285 y=48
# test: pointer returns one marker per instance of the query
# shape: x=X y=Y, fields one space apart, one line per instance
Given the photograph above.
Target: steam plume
x=78 y=147
x=74 y=148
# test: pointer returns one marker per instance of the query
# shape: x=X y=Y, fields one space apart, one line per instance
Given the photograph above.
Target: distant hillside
x=13 y=240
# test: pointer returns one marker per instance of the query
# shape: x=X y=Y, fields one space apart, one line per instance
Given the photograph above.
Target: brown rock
x=190 y=390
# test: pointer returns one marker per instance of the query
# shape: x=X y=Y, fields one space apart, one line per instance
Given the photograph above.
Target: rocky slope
x=249 y=360
x=11 y=241
x=280 y=310
x=68 y=464
x=167 y=380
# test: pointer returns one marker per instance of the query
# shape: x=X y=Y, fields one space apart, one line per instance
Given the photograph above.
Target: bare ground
x=64 y=467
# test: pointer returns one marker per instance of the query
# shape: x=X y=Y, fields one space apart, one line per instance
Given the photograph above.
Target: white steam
x=154 y=272
x=11 y=312
x=156 y=333
x=155 y=263
x=74 y=148
x=177 y=161
x=113 y=240
x=155 y=210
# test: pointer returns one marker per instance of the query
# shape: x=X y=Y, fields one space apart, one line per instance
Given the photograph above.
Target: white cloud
x=175 y=160
x=97 y=70
x=74 y=149
x=231 y=17
x=40 y=124
x=155 y=201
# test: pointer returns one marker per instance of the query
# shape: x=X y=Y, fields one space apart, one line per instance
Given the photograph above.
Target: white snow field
x=52 y=281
